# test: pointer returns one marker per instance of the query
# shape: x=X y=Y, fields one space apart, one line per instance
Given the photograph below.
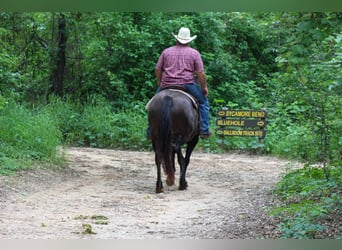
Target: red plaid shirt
x=179 y=63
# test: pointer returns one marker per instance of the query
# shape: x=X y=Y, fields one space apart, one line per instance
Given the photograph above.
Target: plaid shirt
x=179 y=63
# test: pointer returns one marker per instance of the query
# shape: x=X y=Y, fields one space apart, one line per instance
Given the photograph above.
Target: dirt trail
x=109 y=194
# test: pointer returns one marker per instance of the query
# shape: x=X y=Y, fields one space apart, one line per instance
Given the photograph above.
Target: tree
x=58 y=61
x=310 y=81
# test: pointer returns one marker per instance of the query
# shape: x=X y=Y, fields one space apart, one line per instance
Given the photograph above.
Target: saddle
x=180 y=89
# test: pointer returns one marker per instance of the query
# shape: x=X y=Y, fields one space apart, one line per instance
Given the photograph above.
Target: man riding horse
x=177 y=66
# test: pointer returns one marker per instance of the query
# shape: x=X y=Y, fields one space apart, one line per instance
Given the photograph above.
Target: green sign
x=246 y=123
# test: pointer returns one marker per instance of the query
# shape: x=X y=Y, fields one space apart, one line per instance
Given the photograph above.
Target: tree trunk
x=57 y=73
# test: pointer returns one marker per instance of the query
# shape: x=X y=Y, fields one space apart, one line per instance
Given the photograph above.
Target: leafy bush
x=66 y=115
x=292 y=142
x=306 y=199
x=98 y=124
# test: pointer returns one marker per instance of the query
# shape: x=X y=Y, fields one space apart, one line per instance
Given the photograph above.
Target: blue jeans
x=195 y=90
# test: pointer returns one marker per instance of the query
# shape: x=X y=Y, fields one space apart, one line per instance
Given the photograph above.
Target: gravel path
x=110 y=194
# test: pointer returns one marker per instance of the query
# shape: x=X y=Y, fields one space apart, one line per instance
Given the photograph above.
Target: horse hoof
x=183 y=186
x=170 y=181
x=159 y=190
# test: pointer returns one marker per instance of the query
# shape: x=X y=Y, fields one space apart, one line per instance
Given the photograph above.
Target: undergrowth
x=26 y=136
x=99 y=124
x=308 y=202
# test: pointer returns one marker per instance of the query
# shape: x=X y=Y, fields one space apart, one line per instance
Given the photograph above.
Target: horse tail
x=165 y=140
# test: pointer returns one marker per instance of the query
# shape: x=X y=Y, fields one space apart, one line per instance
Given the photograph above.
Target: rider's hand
x=205 y=91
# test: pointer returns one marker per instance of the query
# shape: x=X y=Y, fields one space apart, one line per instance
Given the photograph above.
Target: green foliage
x=306 y=199
x=26 y=136
x=307 y=89
x=97 y=124
x=3 y=102
x=113 y=54
x=291 y=142
x=24 y=54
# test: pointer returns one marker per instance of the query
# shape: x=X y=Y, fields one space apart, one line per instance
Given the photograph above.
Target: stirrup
x=205 y=135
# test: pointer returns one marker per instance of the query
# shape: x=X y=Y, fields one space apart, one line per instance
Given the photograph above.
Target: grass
x=26 y=136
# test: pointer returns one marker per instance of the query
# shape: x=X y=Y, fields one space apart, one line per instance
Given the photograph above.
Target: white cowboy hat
x=184 y=36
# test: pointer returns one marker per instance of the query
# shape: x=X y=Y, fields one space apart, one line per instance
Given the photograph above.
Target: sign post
x=245 y=123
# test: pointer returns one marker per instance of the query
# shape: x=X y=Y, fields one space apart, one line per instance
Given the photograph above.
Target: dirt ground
x=110 y=194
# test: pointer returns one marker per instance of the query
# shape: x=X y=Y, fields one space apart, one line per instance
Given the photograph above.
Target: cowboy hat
x=184 y=36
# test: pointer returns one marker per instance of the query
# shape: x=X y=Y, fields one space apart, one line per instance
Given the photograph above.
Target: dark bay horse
x=174 y=121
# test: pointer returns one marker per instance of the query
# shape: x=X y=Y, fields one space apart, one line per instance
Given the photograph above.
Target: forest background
x=83 y=79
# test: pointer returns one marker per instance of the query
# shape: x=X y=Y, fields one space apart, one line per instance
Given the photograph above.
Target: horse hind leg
x=159 y=184
x=184 y=162
x=183 y=184
x=170 y=180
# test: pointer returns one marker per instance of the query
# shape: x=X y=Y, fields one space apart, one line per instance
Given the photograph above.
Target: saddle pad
x=193 y=100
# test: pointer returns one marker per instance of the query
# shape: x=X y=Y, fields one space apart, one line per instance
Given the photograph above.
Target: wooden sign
x=246 y=123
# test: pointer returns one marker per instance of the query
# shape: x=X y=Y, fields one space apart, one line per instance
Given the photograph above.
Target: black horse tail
x=165 y=139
